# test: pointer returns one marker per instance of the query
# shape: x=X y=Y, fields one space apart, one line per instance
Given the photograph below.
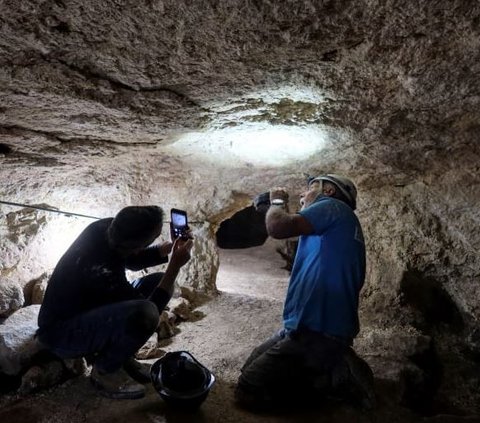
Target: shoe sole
x=116 y=395
x=137 y=376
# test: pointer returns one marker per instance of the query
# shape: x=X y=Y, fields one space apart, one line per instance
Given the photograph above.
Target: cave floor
x=245 y=312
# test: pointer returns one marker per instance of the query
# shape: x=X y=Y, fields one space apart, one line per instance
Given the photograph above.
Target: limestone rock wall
x=106 y=104
x=423 y=277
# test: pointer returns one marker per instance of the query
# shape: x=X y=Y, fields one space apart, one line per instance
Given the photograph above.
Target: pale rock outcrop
x=166 y=327
x=11 y=296
x=199 y=274
x=149 y=349
x=17 y=343
x=38 y=290
x=180 y=307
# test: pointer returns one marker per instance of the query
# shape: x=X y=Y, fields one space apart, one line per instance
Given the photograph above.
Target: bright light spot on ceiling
x=256 y=144
x=273 y=128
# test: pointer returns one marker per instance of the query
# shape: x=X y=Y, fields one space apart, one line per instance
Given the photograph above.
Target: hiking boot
x=138 y=370
x=116 y=385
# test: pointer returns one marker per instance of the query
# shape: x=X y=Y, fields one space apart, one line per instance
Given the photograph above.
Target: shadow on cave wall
x=433 y=307
x=434 y=312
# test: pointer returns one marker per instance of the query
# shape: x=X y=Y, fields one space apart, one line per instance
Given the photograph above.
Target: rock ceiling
x=125 y=90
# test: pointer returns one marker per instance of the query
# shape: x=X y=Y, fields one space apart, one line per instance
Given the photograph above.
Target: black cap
x=134 y=226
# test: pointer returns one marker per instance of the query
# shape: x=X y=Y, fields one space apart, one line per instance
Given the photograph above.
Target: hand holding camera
x=278 y=196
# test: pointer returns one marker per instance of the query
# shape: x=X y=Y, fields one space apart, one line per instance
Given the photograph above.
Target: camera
x=262 y=200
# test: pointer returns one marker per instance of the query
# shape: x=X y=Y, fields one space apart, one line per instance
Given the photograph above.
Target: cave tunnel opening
x=5 y=149
x=251 y=262
x=245 y=229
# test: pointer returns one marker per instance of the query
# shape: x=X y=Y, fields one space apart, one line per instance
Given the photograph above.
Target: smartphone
x=178 y=224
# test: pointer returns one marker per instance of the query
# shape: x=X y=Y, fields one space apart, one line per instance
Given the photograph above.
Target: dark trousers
x=289 y=368
x=108 y=335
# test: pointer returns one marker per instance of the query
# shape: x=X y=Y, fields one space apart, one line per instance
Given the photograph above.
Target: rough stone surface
x=11 y=297
x=199 y=275
x=76 y=366
x=180 y=307
x=41 y=377
x=17 y=343
x=166 y=328
x=169 y=102
x=391 y=354
x=38 y=290
x=149 y=349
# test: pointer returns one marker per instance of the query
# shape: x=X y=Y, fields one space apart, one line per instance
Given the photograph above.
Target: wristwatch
x=278 y=202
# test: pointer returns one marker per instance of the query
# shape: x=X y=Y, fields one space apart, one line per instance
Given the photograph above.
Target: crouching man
x=91 y=310
x=311 y=357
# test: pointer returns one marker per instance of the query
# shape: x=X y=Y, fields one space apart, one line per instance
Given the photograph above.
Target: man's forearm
x=167 y=283
x=148 y=257
x=278 y=222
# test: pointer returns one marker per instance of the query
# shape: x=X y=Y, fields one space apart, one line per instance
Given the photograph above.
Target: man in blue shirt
x=311 y=357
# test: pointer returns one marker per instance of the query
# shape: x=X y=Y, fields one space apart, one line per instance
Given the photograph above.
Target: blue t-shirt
x=328 y=272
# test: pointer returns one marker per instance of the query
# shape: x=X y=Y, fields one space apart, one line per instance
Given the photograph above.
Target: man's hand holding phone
x=180 y=249
x=181 y=236
x=165 y=248
x=181 y=252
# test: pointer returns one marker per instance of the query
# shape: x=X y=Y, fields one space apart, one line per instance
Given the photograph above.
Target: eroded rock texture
x=173 y=102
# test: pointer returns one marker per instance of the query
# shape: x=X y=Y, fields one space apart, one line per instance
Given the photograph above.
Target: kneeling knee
x=144 y=318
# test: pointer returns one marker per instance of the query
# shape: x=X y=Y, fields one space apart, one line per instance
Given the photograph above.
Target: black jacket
x=91 y=274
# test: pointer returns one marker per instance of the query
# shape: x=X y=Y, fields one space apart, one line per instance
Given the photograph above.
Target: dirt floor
x=247 y=310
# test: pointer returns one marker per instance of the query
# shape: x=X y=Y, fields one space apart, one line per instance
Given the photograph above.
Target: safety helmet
x=181 y=380
x=345 y=185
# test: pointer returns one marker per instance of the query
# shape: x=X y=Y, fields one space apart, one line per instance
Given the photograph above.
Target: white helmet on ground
x=345 y=185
